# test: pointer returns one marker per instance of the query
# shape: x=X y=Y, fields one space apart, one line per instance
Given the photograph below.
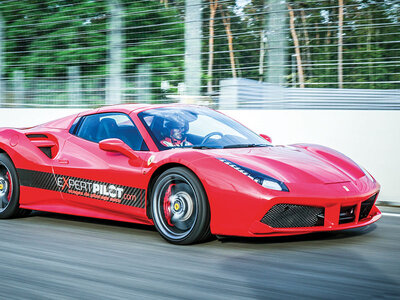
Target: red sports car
x=189 y=170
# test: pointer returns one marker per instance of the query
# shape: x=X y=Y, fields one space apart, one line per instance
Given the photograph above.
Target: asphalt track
x=48 y=256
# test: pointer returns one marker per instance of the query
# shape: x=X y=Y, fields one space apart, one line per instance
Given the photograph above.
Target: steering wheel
x=207 y=137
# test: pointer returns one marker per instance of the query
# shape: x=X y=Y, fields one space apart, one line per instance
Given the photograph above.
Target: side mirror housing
x=118 y=146
x=266 y=137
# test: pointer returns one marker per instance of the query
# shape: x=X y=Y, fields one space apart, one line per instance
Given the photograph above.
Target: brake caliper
x=9 y=186
x=167 y=205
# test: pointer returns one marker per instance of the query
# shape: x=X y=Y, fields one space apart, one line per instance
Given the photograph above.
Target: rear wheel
x=180 y=207
x=9 y=190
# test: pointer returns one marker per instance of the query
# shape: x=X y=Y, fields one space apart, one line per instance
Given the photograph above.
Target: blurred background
x=324 y=72
x=315 y=71
x=229 y=54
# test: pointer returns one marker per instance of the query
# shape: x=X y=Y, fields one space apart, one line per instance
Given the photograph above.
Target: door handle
x=63 y=161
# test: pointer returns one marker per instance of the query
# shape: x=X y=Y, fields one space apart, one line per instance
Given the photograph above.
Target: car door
x=101 y=183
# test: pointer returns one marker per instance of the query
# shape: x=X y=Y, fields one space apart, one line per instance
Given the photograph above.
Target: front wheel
x=180 y=207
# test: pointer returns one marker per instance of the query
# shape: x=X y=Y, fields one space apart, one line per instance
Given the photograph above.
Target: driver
x=177 y=130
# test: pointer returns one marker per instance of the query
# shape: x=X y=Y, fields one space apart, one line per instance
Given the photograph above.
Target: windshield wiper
x=204 y=147
x=246 y=145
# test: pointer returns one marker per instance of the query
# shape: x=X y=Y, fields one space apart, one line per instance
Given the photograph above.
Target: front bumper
x=298 y=218
x=237 y=211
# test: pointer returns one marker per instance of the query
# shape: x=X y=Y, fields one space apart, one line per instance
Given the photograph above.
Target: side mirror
x=266 y=137
x=116 y=145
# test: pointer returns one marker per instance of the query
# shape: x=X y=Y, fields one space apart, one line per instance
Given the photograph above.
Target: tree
x=213 y=10
x=227 y=23
x=296 y=45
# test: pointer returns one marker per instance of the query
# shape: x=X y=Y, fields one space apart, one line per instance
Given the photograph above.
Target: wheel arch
x=3 y=151
x=6 y=153
x=15 y=211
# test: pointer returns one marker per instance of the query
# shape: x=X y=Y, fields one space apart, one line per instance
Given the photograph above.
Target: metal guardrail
x=246 y=93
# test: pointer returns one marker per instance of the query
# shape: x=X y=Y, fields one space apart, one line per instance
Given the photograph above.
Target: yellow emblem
x=150 y=160
x=176 y=206
x=1 y=186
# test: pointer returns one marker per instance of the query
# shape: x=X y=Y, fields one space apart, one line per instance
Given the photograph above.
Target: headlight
x=262 y=179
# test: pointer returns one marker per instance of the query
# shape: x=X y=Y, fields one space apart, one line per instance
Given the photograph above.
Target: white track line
x=391 y=215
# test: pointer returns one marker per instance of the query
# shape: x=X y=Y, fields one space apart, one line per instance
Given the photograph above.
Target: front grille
x=289 y=215
x=347 y=214
x=366 y=207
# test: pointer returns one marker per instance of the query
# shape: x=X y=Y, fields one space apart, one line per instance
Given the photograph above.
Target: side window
x=98 y=127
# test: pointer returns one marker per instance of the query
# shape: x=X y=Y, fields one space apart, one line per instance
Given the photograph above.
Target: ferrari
x=190 y=171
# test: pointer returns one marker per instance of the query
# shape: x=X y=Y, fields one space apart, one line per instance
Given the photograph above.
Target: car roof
x=126 y=108
x=129 y=108
x=66 y=122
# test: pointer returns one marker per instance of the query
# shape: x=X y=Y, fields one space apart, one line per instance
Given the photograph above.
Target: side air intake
x=366 y=206
x=289 y=215
x=45 y=143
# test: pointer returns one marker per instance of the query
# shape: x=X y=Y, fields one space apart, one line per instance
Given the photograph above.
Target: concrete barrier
x=371 y=138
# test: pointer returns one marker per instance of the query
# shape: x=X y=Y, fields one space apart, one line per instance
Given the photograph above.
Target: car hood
x=292 y=164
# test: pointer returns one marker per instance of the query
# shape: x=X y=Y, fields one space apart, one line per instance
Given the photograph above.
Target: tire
x=9 y=190
x=180 y=208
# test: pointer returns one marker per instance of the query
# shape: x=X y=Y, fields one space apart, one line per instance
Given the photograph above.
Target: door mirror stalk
x=118 y=146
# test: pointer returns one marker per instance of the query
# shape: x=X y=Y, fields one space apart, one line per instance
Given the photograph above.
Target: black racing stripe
x=37 y=179
x=104 y=191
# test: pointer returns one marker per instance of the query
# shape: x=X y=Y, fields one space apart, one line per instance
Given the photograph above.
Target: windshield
x=197 y=127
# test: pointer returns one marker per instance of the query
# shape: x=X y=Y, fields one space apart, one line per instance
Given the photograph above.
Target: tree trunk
x=165 y=2
x=340 y=45
x=296 y=47
x=213 y=9
x=227 y=23
x=307 y=38
x=328 y=38
x=239 y=72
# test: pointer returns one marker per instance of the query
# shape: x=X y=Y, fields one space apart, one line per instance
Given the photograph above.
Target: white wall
x=371 y=138
x=26 y=117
